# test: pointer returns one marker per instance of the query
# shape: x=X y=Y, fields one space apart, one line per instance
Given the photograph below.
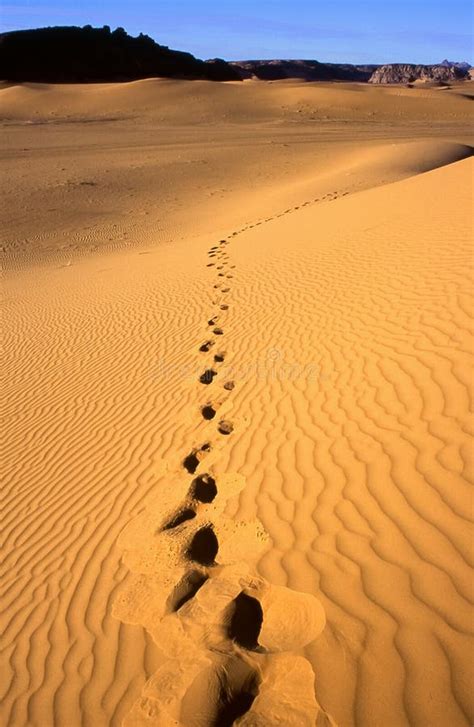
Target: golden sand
x=276 y=526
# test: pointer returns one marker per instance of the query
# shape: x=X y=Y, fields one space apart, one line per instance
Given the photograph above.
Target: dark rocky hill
x=71 y=54
x=307 y=70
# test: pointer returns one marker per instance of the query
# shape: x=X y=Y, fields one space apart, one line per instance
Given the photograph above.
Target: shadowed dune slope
x=405 y=160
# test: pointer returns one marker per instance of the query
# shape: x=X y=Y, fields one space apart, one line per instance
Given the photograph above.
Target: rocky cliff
x=410 y=72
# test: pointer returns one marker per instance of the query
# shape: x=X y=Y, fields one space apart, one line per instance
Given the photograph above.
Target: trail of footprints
x=229 y=636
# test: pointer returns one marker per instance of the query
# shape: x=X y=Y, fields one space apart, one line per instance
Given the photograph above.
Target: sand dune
x=238 y=461
x=162 y=99
x=101 y=167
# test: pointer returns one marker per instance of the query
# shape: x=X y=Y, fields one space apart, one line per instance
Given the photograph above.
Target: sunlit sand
x=238 y=374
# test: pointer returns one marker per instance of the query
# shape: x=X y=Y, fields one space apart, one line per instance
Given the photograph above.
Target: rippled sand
x=238 y=374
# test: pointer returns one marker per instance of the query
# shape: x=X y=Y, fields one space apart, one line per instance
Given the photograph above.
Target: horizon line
x=240 y=60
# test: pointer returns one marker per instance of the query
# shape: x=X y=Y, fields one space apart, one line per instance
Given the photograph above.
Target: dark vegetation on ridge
x=71 y=54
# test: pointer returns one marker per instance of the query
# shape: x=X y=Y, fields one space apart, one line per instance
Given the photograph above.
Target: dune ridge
x=345 y=437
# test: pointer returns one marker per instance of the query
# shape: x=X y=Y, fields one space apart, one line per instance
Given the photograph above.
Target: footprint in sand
x=237 y=688
x=193 y=459
x=234 y=669
x=245 y=621
x=208 y=412
x=203 y=488
x=203 y=547
x=186 y=589
x=182 y=516
x=207 y=377
x=225 y=427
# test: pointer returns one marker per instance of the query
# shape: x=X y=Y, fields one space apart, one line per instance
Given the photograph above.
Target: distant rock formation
x=410 y=72
x=72 y=54
x=457 y=64
x=219 y=70
x=307 y=70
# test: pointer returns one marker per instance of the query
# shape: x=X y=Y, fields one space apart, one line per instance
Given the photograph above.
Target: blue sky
x=358 y=31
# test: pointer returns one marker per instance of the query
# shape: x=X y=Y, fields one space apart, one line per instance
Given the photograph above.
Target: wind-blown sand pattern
x=329 y=373
x=217 y=622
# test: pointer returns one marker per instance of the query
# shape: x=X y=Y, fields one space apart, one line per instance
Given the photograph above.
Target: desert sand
x=238 y=368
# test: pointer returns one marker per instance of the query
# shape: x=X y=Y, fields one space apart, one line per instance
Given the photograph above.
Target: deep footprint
x=206 y=346
x=208 y=412
x=203 y=488
x=191 y=462
x=204 y=546
x=238 y=687
x=246 y=621
x=207 y=376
